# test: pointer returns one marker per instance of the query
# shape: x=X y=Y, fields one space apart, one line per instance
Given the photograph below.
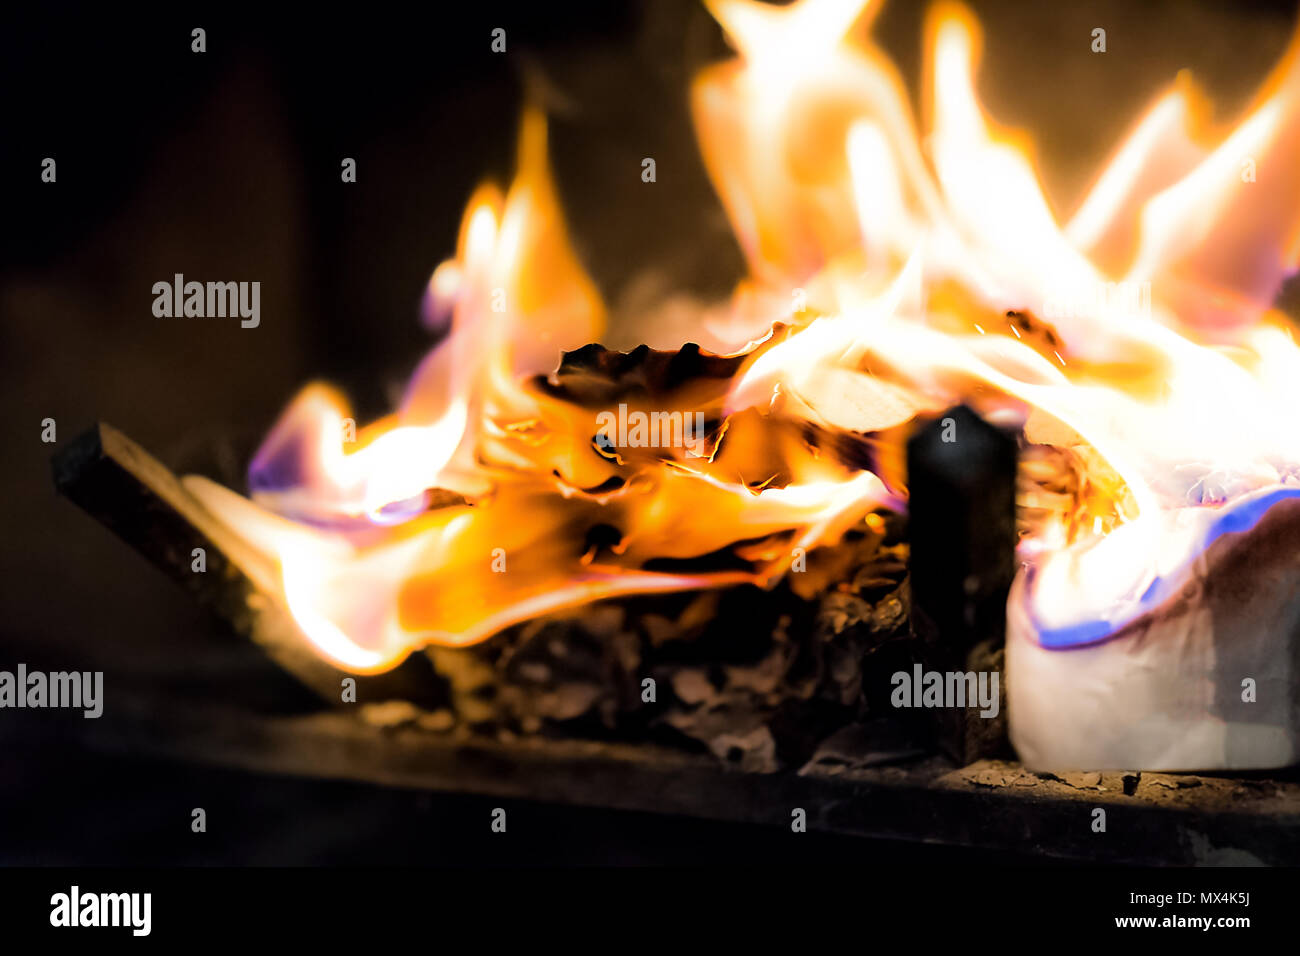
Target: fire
x=896 y=268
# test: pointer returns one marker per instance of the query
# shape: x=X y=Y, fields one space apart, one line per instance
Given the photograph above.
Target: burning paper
x=896 y=268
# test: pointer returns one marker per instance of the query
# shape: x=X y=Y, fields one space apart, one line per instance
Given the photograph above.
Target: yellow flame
x=925 y=270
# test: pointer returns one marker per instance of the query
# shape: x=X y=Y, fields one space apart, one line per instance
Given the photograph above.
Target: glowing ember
x=892 y=274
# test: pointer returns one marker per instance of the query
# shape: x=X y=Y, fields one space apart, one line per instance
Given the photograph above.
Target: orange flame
x=910 y=272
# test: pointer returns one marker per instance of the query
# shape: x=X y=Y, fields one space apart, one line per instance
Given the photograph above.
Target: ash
x=760 y=679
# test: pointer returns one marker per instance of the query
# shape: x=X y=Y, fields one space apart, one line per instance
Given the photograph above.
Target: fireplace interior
x=648 y=726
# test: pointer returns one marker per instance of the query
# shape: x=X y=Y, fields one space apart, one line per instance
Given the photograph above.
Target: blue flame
x=1235 y=518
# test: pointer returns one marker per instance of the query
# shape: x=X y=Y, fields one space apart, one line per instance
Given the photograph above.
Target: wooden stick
x=144 y=503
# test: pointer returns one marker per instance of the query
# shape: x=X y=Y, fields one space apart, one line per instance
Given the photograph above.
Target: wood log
x=144 y=503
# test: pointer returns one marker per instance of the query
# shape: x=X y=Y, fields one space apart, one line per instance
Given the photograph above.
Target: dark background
x=225 y=165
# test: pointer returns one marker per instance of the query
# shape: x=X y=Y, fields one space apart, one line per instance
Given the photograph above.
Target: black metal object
x=961 y=476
